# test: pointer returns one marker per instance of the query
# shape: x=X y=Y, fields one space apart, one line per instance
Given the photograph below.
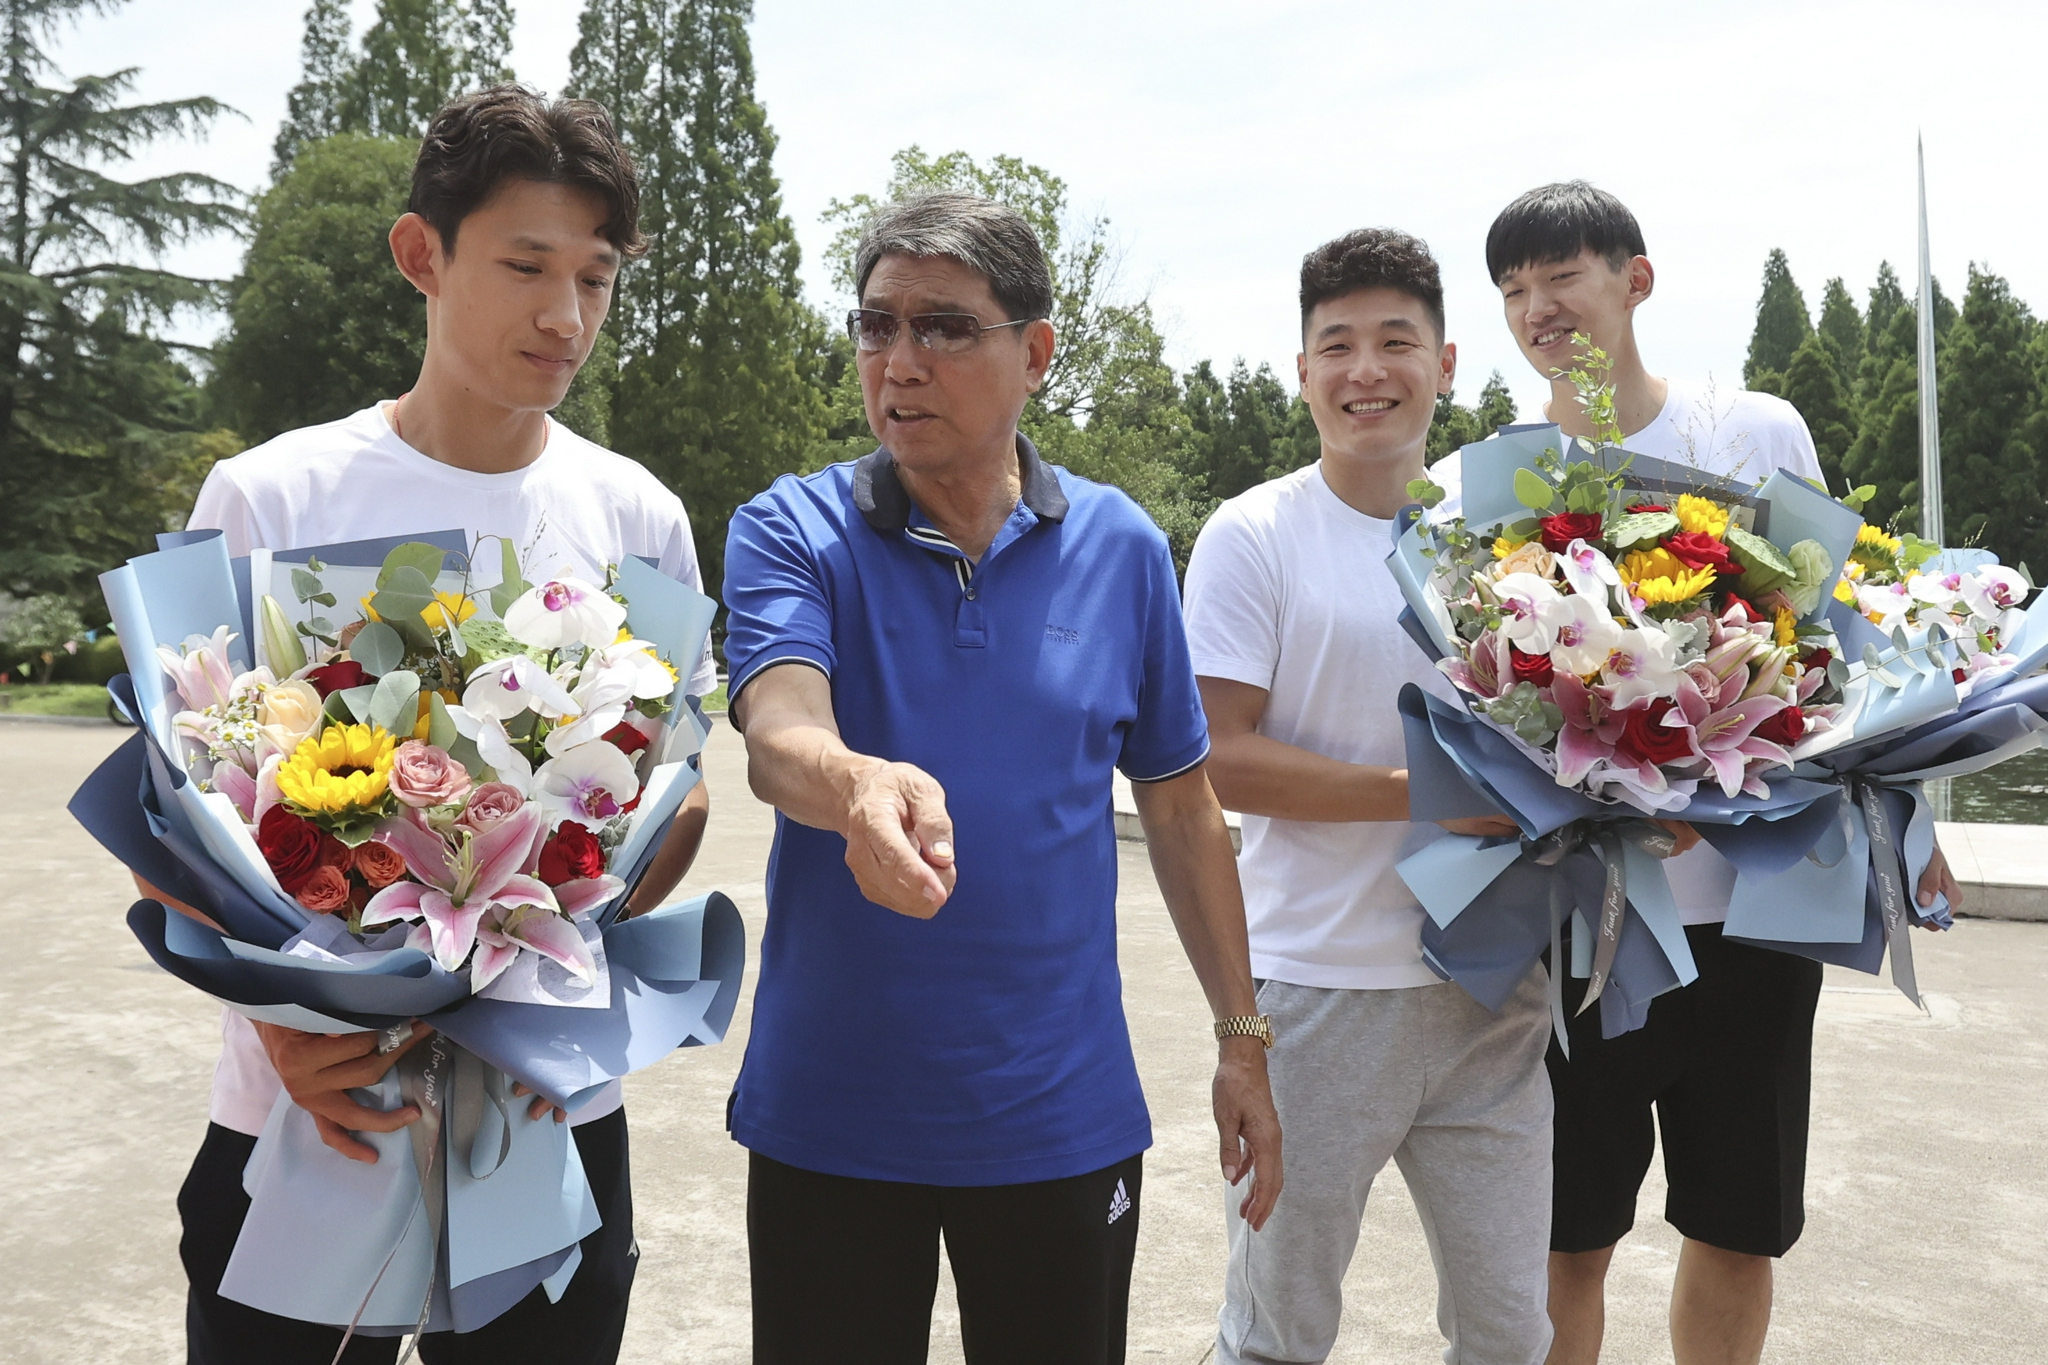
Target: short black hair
x=1372 y=258
x=1557 y=222
x=479 y=141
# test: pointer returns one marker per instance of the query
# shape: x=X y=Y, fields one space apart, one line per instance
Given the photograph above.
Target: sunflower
x=1877 y=540
x=1505 y=545
x=1785 y=628
x=1660 y=578
x=1845 y=591
x=1701 y=514
x=447 y=608
x=346 y=768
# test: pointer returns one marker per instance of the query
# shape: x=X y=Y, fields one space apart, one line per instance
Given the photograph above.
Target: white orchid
x=1592 y=574
x=505 y=688
x=564 y=612
x=1584 y=635
x=611 y=679
x=1531 y=609
x=1935 y=589
x=1642 y=667
x=590 y=784
x=1991 y=591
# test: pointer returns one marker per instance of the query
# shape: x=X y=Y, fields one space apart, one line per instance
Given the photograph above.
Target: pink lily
x=1723 y=737
x=465 y=875
x=1589 y=731
x=1483 y=668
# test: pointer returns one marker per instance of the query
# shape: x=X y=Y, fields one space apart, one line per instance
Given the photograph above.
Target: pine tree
x=415 y=56
x=1813 y=385
x=1781 y=322
x=1886 y=452
x=718 y=388
x=97 y=417
x=1455 y=425
x=1841 y=328
x=1886 y=299
x=1992 y=485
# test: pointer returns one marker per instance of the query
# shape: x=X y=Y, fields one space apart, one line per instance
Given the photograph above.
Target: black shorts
x=845 y=1270
x=585 y=1328
x=1728 y=1063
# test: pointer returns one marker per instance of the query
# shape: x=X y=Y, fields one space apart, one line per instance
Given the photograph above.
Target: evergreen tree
x=1841 y=329
x=1886 y=451
x=1455 y=425
x=719 y=379
x=1781 y=322
x=1238 y=424
x=415 y=56
x=1992 y=485
x=97 y=417
x=1886 y=299
x=1813 y=384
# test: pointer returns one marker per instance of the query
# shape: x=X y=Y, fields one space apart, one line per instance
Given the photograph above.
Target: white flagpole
x=1930 y=417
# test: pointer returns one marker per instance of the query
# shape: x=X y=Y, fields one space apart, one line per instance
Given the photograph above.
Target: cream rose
x=288 y=713
x=1529 y=558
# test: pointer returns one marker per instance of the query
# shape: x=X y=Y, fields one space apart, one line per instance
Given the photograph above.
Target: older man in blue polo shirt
x=939 y=654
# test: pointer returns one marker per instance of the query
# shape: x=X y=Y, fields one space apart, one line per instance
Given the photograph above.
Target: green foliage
x=1813 y=384
x=1781 y=322
x=720 y=361
x=98 y=418
x=1245 y=429
x=39 y=632
x=1593 y=379
x=1841 y=329
x=321 y=321
x=415 y=56
x=1456 y=426
x=1993 y=424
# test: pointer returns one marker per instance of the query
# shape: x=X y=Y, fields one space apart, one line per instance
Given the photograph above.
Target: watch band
x=1257 y=1026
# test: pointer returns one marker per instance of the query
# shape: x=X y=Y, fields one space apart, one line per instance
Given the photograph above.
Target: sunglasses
x=872 y=329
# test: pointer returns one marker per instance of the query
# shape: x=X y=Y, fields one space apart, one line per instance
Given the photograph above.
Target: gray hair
x=989 y=238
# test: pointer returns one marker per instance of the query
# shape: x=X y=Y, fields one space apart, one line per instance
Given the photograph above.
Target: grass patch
x=54 y=699
x=716 y=701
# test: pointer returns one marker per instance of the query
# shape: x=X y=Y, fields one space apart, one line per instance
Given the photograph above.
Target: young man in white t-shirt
x=1727 y=1060
x=523 y=211
x=1292 y=621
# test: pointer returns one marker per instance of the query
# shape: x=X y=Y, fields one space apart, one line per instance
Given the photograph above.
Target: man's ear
x=1040 y=341
x=1642 y=280
x=416 y=248
x=1301 y=372
x=1447 y=367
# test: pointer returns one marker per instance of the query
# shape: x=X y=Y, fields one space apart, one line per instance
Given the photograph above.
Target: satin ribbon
x=1888 y=862
x=1607 y=837
x=457 y=1093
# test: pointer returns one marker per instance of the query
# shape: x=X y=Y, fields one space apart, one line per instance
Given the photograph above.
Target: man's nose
x=559 y=314
x=904 y=361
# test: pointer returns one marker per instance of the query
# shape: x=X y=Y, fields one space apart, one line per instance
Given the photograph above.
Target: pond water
x=2013 y=793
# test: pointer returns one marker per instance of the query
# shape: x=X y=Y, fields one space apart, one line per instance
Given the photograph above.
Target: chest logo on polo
x=1063 y=635
x=1119 y=1203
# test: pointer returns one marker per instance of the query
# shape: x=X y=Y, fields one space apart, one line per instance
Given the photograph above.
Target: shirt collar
x=885 y=505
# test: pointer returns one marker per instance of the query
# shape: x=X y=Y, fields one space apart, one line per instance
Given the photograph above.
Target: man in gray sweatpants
x=1292 y=624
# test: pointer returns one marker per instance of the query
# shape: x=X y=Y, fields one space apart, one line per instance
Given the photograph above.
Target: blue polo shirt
x=986 y=1045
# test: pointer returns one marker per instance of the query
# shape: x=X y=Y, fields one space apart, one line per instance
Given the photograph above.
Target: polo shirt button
x=970 y=594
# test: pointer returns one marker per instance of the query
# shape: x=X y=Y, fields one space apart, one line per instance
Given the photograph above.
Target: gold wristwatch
x=1257 y=1026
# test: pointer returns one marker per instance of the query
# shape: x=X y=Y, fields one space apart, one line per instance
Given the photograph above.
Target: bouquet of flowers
x=1965 y=602
x=434 y=808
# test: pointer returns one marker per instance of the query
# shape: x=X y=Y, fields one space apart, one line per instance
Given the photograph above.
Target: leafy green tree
x=415 y=56
x=42 y=630
x=1456 y=425
x=96 y=414
x=1841 y=328
x=1812 y=384
x=1886 y=451
x=720 y=361
x=1781 y=322
x=1992 y=472
x=1239 y=426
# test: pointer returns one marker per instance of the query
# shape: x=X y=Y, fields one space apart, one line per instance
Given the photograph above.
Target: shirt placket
x=970 y=625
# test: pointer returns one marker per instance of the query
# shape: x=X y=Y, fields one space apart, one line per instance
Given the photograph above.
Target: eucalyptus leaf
x=377 y=647
x=395 y=704
x=304 y=585
x=512 y=583
x=464 y=751
x=325 y=599
x=441 y=731
x=416 y=555
x=1838 y=674
x=1889 y=679
x=1533 y=491
x=336 y=709
x=1637 y=528
x=355 y=702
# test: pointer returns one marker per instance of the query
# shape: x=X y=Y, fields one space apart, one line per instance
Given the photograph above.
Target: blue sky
x=1223 y=140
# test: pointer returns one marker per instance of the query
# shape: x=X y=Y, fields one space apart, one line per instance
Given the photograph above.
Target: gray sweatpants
x=1458 y=1097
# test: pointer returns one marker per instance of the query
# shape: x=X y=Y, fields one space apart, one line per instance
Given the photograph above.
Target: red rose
x=326 y=889
x=1645 y=738
x=1749 y=613
x=1648 y=507
x=629 y=739
x=571 y=853
x=1531 y=668
x=1564 y=528
x=1958 y=675
x=1820 y=658
x=1698 y=550
x=1788 y=727
x=290 y=845
x=338 y=677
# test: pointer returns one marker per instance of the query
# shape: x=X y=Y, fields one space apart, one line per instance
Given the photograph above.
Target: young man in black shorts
x=1727 y=1060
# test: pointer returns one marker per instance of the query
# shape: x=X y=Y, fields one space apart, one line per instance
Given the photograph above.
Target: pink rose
x=423 y=775
x=326 y=890
x=489 y=804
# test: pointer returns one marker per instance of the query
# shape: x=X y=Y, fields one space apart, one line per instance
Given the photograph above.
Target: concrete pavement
x=1927 y=1235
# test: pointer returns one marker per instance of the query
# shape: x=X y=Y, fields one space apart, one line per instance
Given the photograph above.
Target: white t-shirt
x=1288 y=591
x=1736 y=434
x=578 y=505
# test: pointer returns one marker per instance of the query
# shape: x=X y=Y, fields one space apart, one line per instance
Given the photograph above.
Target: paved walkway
x=1927 y=1237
